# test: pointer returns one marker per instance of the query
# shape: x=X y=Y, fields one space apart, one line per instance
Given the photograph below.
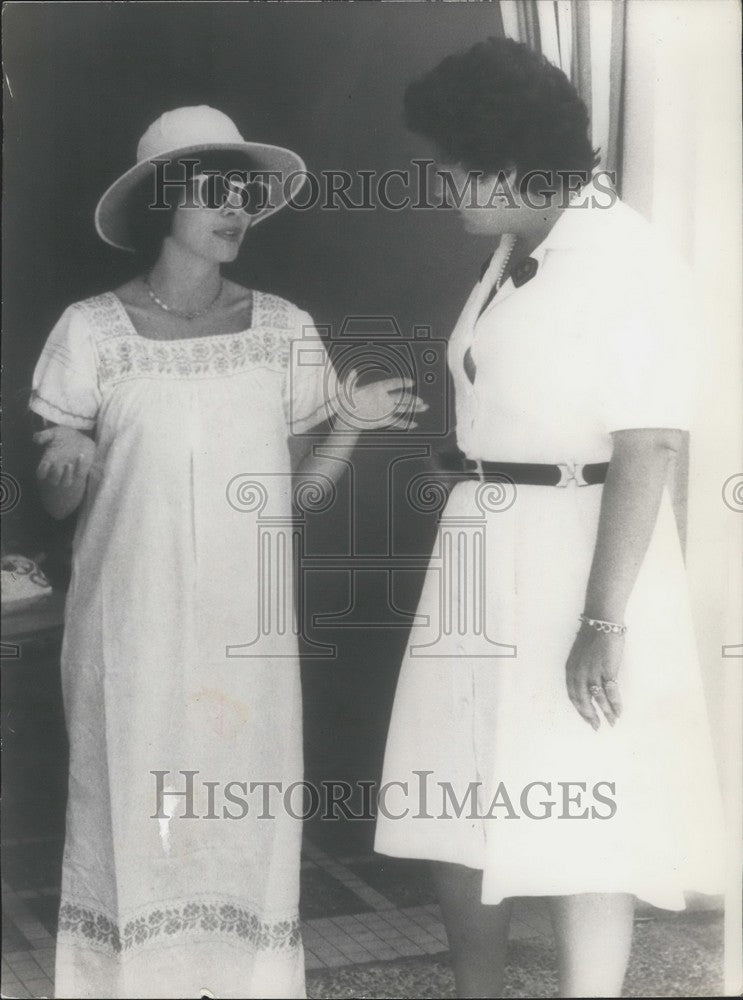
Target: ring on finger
x=595 y=689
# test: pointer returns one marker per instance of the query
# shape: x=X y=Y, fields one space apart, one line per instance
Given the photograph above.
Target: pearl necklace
x=177 y=312
x=498 y=264
x=503 y=253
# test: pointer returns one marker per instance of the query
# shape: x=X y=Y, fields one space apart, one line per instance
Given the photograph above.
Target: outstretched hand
x=387 y=403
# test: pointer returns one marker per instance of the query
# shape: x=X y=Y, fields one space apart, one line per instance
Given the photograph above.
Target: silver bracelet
x=601 y=626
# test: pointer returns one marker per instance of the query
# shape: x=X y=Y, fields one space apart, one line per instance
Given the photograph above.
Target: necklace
x=504 y=252
x=178 y=312
x=501 y=258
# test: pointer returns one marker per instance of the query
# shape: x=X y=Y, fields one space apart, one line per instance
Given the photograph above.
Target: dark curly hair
x=501 y=105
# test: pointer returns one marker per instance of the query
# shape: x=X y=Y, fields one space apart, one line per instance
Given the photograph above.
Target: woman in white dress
x=549 y=732
x=173 y=400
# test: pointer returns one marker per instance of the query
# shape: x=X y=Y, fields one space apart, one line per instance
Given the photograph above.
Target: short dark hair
x=149 y=226
x=501 y=105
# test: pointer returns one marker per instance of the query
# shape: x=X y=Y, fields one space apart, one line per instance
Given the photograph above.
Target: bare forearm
x=629 y=508
x=326 y=456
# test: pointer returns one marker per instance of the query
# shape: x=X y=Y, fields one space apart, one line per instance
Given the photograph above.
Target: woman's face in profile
x=214 y=233
x=486 y=203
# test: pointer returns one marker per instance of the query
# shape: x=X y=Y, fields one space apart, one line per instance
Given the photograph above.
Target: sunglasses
x=233 y=188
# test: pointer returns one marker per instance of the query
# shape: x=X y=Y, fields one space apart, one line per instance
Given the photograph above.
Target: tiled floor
x=371 y=926
x=28 y=945
x=346 y=919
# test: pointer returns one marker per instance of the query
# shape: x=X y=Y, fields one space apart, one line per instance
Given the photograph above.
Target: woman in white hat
x=172 y=400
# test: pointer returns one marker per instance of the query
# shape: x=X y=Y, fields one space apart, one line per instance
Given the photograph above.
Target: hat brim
x=112 y=210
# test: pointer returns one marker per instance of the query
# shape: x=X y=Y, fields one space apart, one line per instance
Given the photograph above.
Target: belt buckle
x=472 y=468
x=570 y=472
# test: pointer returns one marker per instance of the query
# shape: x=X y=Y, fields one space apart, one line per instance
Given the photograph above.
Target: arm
x=356 y=408
x=66 y=396
x=629 y=508
x=63 y=471
x=307 y=462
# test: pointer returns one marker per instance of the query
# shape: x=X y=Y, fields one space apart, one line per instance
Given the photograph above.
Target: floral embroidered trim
x=131 y=357
x=215 y=918
x=104 y=316
x=124 y=354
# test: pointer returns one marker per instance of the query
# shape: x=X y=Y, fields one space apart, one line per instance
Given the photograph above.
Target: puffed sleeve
x=65 y=386
x=309 y=378
x=653 y=330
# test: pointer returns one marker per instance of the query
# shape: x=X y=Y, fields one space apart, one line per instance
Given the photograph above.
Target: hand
x=386 y=403
x=68 y=455
x=594 y=662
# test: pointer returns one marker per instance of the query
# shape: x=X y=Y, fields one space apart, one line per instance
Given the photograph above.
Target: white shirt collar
x=581 y=224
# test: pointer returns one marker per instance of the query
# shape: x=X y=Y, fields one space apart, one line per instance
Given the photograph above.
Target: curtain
x=585 y=38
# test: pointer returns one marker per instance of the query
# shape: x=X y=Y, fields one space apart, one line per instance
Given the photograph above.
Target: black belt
x=526 y=473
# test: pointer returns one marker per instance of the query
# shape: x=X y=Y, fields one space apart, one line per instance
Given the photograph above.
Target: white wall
x=682 y=169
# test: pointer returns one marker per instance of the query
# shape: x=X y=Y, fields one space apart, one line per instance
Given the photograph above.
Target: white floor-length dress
x=165 y=577
x=597 y=337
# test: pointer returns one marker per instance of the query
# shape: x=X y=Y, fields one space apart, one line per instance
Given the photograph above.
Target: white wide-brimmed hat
x=198 y=129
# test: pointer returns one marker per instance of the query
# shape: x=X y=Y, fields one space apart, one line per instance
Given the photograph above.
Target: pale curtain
x=585 y=38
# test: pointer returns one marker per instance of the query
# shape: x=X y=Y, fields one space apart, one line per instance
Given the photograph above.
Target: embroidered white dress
x=599 y=339
x=191 y=461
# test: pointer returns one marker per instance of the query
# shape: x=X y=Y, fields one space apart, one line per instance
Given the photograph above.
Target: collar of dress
x=580 y=227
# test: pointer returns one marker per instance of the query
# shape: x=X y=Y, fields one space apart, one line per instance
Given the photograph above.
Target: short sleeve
x=309 y=378
x=65 y=382
x=651 y=352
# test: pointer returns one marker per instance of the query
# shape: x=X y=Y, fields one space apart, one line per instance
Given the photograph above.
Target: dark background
x=83 y=81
